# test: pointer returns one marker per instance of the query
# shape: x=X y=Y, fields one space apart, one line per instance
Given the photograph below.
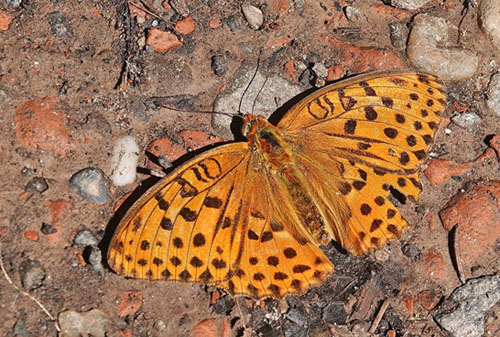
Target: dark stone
x=48 y=229
x=219 y=64
x=335 y=314
x=223 y=305
x=37 y=184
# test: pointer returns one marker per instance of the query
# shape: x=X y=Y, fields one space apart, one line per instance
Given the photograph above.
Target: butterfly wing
x=376 y=129
x=178 y=229
x=213 y=220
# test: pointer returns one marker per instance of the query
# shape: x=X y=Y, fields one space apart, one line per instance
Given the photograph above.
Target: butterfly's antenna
x=250 y=83
x=257 y=96
x=202 y=111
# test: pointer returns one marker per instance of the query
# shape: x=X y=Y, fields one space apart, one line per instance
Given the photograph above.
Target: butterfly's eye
x=245 y=128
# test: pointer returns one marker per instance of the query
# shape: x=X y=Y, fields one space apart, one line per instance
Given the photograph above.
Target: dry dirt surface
x=77 y=75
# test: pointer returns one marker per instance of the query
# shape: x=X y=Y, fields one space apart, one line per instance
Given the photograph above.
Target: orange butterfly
x=250 y=217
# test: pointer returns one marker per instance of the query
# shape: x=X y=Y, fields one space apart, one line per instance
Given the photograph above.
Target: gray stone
x=493 y=100
x=36 y=185
x=275 y=92
x=58 y=24
x=253 y=15
x=90 y=184
x=431 y=49
x=95 y=260
x=463 y=313
x=352 y=13
x=219 y=64
x=398 y=34
x=75 y=324
x=85 y=238
x=320 y=70
x=48 y=229
x=467 y=120
x=32 y=274
x=297 y=316
x=409 y=4
x=335 y=314
x=160 y=325
x=489 y=14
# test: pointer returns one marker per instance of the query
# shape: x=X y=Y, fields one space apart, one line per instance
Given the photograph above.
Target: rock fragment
x=462 y=314
x=253 y=15
x=273 y=93
x=409 y=4
x=90 y=184
x=431 y=49
x=124 y=161
x=493 y=96
x=489 y=14
x=32 y=274
x=75 y=324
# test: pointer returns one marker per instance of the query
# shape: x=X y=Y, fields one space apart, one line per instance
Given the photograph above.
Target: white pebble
x=253 y=15
x=124 y=161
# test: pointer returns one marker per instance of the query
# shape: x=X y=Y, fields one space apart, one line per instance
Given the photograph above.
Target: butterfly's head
x=251 y=123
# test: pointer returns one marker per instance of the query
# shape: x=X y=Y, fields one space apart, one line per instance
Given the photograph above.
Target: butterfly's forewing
x=378 y=127
x=214 y=221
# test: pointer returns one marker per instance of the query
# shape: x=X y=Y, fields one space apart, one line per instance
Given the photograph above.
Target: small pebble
x=48 y=229
x=219 y=64
x=223 y=304
x=468 y=120
x=253 y=15
x=425 y=49
x=493 y=100
x=411 y=251
x=335 y=314
x=160 y=325
x=124 y=161
x=489 y=14
x=14 y=3
x=85 y=238
x=381 y=255
x=27 y=172
x=463 y=313
x=90 y=184
x=58 y=24
x=20 y=329
x=320 y=70
x=37 y=184
x=76 y=324
x=231 y=23
x=95 y=260
x=297 y=316
x=409 y=4
x=32 y=274
x=352 y=13
x=306 y=77
x=299 y=4
x=398 y=34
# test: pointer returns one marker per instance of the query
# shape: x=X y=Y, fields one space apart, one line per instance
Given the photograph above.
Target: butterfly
x=250 y=217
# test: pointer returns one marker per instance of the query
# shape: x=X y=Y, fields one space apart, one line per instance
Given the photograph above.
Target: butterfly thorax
x=266 y=140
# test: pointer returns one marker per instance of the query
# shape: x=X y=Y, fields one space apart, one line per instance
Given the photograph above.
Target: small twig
x=454 y=247
x=144 y=9
x=24 y=293
x=379 y=316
